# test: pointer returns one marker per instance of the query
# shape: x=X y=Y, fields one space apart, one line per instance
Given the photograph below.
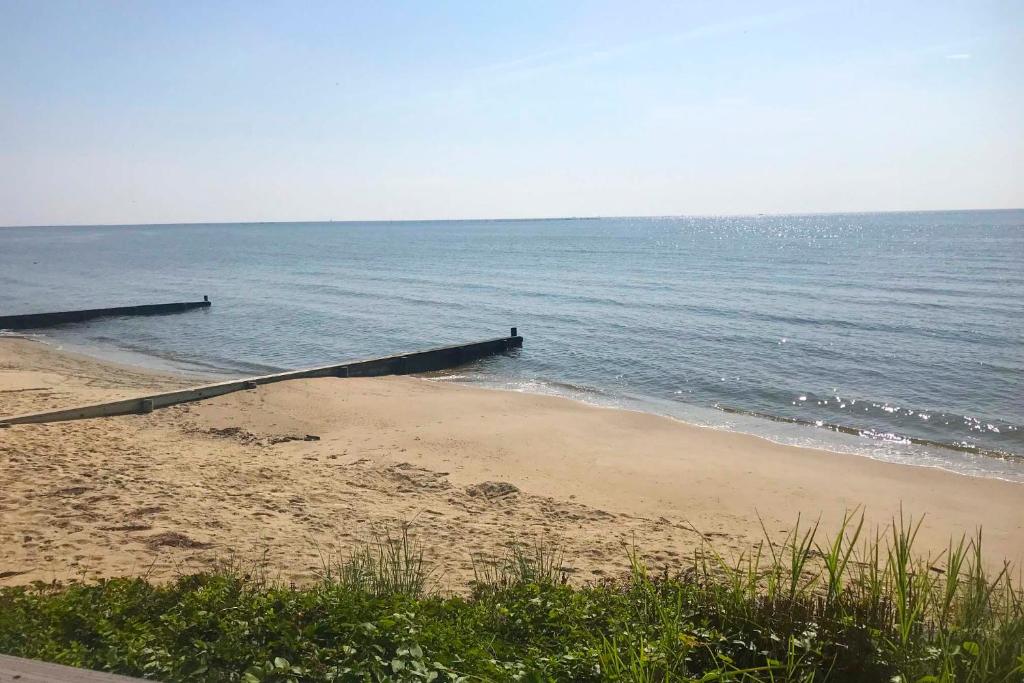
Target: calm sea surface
x=902 y=326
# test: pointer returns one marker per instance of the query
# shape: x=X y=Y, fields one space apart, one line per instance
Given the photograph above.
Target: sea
x=895 y=336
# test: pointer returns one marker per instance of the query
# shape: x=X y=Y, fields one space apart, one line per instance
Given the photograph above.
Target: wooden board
x=18 y=670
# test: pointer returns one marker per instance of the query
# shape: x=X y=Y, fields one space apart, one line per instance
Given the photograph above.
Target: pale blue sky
x=131 y=111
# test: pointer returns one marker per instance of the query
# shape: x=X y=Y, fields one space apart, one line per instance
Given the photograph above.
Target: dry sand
x=472 y=469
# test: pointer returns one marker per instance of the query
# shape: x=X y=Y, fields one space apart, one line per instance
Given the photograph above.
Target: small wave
x=532 y=385
x=578 y=388
x=890 y=437
x=546 y=386
x=17 y=334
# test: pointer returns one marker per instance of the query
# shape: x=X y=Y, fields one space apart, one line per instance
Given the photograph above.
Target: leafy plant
x=852 y=607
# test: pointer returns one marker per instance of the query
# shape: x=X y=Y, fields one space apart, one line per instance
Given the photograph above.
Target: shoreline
x=123 y=359
x=233 y=477
x=780 y=430
x=796 y=433
x=138 y=361
x=753 y=434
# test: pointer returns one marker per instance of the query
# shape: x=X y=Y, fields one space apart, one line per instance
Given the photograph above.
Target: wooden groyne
x=31 y=321
x=439 y=358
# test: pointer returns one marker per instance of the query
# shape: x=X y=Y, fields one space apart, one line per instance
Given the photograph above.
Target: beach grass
x=848 y=606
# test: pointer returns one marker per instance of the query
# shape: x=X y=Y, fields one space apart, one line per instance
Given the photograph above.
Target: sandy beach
x=234 y=479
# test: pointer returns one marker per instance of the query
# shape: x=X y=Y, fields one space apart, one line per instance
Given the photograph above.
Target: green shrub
x=846 y=609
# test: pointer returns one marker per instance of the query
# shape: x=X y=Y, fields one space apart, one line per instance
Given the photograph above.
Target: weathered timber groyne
x=438 y=358
x=32 y=321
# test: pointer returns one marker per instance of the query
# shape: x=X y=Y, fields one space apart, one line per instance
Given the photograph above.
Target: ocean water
x=907 y=329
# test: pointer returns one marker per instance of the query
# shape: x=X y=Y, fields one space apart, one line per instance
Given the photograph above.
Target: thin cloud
x=524 y=62
x=563 y=59
x=959 y=56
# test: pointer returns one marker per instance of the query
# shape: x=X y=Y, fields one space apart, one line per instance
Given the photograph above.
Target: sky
x=165 y=112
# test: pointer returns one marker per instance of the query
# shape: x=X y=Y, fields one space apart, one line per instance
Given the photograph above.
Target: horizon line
x=780 y=214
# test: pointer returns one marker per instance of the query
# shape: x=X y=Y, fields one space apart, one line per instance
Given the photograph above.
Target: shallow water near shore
x=900 y=326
